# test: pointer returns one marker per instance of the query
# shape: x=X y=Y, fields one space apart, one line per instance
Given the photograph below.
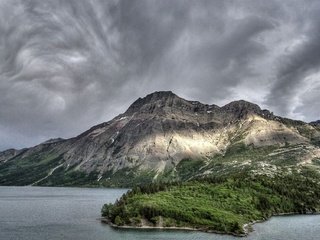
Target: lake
x=41 y=213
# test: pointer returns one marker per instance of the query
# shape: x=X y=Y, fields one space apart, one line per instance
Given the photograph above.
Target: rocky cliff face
x=152 y=137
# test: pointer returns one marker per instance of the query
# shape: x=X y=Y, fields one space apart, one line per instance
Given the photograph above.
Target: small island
x=228 y=205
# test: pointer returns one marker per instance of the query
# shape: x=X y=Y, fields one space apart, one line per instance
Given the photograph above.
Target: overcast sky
x=67 y=65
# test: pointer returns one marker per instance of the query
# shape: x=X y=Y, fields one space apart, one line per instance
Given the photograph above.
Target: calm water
x=71 y=213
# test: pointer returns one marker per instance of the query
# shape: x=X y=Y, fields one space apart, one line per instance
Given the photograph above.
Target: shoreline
x=246 y=227
x=146 y=227
x=60 y=186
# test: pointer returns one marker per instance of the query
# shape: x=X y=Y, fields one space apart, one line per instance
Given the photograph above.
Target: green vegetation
x=121 y=178
x=27 y=170
x=188 y=168
x=216 y=204
x=127 y=177
x=60 y=177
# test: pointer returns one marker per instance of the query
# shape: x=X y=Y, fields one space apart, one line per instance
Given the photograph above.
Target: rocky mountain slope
x=165 y=137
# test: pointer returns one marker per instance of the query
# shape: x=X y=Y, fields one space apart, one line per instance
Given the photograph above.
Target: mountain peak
x=242 y=105
x=241 y=108
x=151 y=99
x=166 y=101
x=161 y=94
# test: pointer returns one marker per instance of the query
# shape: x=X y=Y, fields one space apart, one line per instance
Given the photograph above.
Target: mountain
x=315 y=123
x=165 y=137
x=6 y=155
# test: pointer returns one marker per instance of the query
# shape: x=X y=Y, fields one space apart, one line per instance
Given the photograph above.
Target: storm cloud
x=67 y=65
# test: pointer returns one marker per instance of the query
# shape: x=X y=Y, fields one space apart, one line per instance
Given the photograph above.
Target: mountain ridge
x=151 y=139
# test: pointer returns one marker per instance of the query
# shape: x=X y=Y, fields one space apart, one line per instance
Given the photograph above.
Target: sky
x=68 y=65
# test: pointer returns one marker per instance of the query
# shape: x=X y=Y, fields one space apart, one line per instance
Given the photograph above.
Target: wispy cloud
x=66 y=65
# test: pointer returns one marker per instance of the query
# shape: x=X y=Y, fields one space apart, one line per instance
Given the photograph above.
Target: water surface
x=40 y=213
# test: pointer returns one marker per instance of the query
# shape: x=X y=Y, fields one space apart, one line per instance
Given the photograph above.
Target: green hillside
x=216 y=204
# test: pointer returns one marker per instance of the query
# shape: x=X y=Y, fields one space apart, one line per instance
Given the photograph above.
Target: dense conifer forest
x=218 y=204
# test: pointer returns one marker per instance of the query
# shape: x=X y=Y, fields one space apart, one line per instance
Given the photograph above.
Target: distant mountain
x=165 y=137
x=315 y=123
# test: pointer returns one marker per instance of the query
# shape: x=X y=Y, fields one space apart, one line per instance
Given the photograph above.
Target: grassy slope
x=223 y=205
x=22 y=171
x=25 y=171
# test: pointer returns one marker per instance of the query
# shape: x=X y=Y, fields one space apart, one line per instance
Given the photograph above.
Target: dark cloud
x=296 y=65
x=66 y=65
x=309 y=104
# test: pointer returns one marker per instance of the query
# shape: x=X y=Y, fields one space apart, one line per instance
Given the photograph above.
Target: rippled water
x=71 y=213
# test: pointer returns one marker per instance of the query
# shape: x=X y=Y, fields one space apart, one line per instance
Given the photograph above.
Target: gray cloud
x=310 y=104
x=66 y=65
x=296 y=65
